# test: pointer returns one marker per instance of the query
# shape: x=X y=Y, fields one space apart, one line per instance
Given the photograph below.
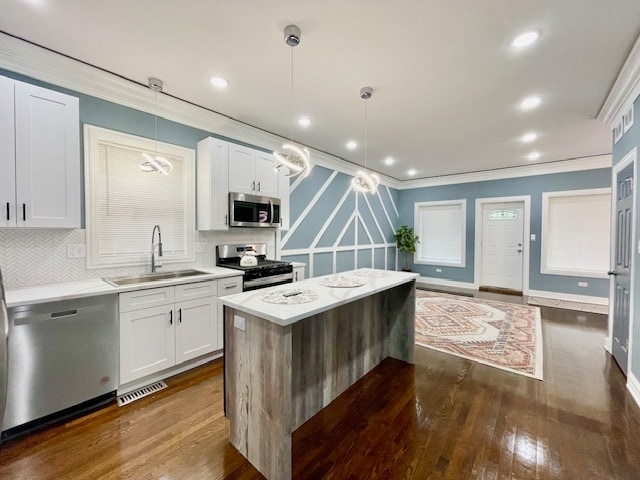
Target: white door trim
x=630 y=157
x=477 y=253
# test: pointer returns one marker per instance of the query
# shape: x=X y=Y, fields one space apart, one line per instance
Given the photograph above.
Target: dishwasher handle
x=29 y=316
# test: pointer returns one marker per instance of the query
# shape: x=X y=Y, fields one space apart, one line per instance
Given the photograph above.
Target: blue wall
x=340 y=229
x=533 y=186
x=626 y=144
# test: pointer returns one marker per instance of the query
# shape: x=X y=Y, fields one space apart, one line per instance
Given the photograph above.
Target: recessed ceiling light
x=534 y=156
x=411 y=172
x=352 y=144
x=304 y=121
x=389 y=161
x=219 y=82
x=530 y=103
x=525 y=39
x=528 y=137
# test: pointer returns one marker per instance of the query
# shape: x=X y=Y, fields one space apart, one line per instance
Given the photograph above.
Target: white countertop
x=97 y=286
x=328 y=297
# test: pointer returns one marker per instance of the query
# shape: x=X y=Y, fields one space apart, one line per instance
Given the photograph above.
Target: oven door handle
x=266 y=281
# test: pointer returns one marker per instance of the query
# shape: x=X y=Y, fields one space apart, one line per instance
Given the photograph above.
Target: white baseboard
x=446 y=283
x=633 y=385
x=569 y=297
x=170 y=372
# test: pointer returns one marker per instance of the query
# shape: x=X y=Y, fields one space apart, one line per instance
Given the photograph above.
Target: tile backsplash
x=38 y=256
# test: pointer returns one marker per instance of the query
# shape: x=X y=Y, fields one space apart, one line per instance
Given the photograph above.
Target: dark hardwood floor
x=444 y=418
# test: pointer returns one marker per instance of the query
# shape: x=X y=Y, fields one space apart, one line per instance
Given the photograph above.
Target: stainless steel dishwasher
x=62 y=360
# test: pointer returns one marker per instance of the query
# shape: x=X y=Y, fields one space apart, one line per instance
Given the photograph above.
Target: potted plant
x=406 y=241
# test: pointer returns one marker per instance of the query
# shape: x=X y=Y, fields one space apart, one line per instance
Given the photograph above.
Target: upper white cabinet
x=39 y=157
x=252 y=172
x=213 y=184
x=225 y=167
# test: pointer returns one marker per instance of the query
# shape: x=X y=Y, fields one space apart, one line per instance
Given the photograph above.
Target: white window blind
x=441 y=228
x=576 y=233
x=124 y=202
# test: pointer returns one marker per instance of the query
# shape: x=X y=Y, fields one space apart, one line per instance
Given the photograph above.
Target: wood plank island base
x=286 y=362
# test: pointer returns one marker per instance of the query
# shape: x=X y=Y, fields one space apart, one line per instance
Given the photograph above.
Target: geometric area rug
x=498 y=334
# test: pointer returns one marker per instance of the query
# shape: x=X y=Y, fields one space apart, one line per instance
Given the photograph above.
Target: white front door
x=502 y=245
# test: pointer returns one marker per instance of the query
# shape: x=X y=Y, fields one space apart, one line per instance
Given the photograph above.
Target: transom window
x=503 y=214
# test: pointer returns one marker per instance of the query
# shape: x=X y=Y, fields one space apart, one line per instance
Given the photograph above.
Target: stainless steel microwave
x=253 y=211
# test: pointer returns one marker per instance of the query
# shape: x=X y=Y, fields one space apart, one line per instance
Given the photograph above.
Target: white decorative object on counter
x=291 y=296
x=338 y=281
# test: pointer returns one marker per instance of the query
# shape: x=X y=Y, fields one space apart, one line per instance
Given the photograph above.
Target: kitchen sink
x=152 y=277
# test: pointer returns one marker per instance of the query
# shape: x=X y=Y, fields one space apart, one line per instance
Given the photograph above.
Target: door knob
x=612 y=272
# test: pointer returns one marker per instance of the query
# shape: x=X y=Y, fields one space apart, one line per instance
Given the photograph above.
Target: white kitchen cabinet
x=163 y=327
x=252 y=172
x=39 y=157
x=298 y=274
x=213 y=184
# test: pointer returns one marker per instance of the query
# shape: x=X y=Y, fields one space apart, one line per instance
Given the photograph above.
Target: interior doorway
x=621 y=272
x=502 y=253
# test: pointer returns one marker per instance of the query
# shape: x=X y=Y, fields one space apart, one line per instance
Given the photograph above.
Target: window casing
x=575 y=232
x=441 y=227
x=123 y=203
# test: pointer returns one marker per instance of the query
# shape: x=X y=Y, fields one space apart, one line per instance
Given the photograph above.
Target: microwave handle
x=271 y=208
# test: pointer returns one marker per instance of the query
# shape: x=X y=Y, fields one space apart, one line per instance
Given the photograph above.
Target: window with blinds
x=124 y=202
x=441 y=228
x=576 y=232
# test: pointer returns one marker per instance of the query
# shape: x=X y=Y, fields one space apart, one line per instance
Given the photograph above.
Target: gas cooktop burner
x=266 y=273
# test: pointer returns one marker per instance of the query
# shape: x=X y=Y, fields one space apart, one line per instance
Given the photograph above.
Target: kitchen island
x=286 y=361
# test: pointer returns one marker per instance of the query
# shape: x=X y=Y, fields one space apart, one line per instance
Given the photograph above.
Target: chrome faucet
x=153 y=248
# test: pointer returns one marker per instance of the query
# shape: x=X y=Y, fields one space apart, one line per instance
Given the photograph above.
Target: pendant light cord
x=292 y=115
x=366 y=124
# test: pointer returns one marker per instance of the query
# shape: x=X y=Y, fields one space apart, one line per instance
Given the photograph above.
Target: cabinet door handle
x=170 y=317
x=253 y=186
x=230 y=286
x=180 y=315
x=258 y=186
x=8 y=211
x=24 y=212
x=226 y=219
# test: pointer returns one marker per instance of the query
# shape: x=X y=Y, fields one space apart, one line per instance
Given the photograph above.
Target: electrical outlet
x=201 y=248
x=533 y=237
x=438 y=270
x=583 y=284
x=238 y=322
x=76 y=251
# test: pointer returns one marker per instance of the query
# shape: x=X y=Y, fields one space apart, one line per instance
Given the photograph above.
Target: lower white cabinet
x=164 y=327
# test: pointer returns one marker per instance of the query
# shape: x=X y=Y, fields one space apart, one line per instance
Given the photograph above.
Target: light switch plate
x=583 y=284
x=238 y=322
x=533 y=237
x=76 y=251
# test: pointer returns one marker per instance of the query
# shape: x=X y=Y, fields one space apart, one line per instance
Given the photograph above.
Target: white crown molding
x=588 y=163
x=41 y=64
x=625 y=89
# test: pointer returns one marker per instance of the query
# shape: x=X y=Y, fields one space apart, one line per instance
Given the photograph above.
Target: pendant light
x=365 y=181
x=297 y=158
x=155 y=163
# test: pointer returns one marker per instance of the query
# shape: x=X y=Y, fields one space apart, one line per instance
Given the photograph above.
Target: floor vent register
x=140 y=393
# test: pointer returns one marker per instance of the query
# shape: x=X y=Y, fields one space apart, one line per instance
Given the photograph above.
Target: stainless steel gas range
x=258 y=272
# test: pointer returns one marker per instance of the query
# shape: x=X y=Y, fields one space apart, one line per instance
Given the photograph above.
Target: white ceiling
x=446 y=80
